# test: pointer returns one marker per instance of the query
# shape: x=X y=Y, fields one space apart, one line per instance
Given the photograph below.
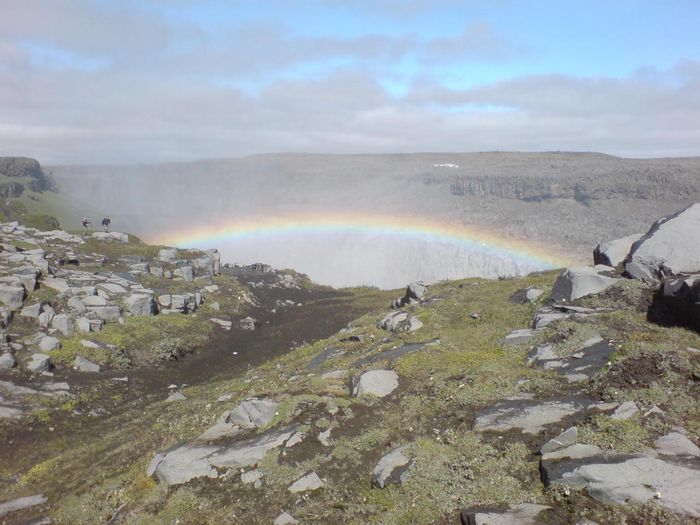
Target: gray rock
x=10 y=412
x=31 y=311
x=83 y=325
x=574 y=283
x=248 y=323
x=167 y=255
x=12 y=296
x=7 y=361
x=546 y=316
x=110 y=313
x=323 y=437
x=626 y=410
x=111 y=236
x=526 y=295
x=76 y=305
x=521 y=514
x=392 y=468
x=140 y=304
x=529 y=416
x=284 y=519
x=251 y=476
x=414 y=293
x=676 y=444
x=175 y=396
x=60 y=285
x=575 y=451
x=39 y=363
x=253 y=413
x=183 y=464
x=64 y=324
x=392 y=321
x=48 y=343
x=668 y=248
x=634 y=480
x=186 y=273
x=518 y=337
x=84 y=365
x=94 y=301
x=307 y=483
x=379 y=383
x=565 y=439
x=613 y=253
x=21 y=504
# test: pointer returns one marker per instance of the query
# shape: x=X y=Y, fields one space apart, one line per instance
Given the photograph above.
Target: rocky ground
x=183 y=391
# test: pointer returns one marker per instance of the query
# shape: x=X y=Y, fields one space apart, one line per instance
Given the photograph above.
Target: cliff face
x=646 y=185
x=26 y=168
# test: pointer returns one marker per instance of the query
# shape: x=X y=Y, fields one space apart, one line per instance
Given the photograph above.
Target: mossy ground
x=440 y=388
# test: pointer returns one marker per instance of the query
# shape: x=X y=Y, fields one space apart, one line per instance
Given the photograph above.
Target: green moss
x=620 y=435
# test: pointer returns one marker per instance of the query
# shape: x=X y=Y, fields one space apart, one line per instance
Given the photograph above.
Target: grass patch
x=624 y=436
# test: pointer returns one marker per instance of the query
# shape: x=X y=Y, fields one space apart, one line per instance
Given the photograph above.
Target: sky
x=127 y=81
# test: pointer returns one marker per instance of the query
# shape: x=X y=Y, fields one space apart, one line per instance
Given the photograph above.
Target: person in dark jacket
x=105 y=224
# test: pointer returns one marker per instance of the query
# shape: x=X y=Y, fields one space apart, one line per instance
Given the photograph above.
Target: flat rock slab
x=627 y=480
x=307 y=483
x=519 y=337
x=379 y=383
x=195 y=460
x=522 y=514
x=390 y=355
x=21 y=504
x=528 y=415
x=392 y=468
x=580 y=366
x=253 y=413
x=574 y=283
x=324 y=355
x=676 y=444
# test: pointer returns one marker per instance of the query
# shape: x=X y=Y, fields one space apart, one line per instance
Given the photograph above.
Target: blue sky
x=154 y=80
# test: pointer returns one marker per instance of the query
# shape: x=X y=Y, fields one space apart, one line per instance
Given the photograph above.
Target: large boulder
x=39 y=363
x=677 y=303
x=613 y=253
x=64 y=324
x=84 y=365
x=670 y=247
x=140 y=304
x=399 y=322
x=378 y=383
x=574 y=283
x=12 y=296
x=7 y=361
x=414 y=293
x=392 y=468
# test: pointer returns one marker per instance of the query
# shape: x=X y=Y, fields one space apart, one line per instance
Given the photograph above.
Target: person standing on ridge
x=105 y=224
x=85 y=223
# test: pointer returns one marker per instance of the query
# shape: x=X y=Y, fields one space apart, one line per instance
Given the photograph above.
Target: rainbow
x=471 y=237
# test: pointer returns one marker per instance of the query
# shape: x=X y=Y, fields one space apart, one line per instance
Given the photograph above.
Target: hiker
x=105 y=224
x=86 y=223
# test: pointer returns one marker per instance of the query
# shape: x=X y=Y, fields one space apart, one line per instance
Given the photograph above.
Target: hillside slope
x=241 y=394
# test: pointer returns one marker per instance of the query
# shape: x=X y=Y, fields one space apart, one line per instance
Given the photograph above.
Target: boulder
x=48 y=343
x=565 y=439
x=33 y=311
x=379 y=383
x=670 y=247
x=676 y=444
x=83 y=325
x=60 y=285
x=21 y=504
x=626 y=410
x=677 y=303
x=64 y=324
x=186 y=273
x=46 y=316
x=76 y=305
x=307 y=483
x=140 y=304
x=399 y=322
x=392 y=468
x=253 y=413
x=7 y=361
x=167 y=255
x=628 y=480
x=39 y=363
x=414 y=293
x=528 y=415
x=521 y=514
x=248 y=323
x=251 y=476
x=175 y=396
x=284 y=519
x=613 y=253
x=574 y=283
x=12 y=296
x=111 y=236
x=83 y=365
x=526 y=295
